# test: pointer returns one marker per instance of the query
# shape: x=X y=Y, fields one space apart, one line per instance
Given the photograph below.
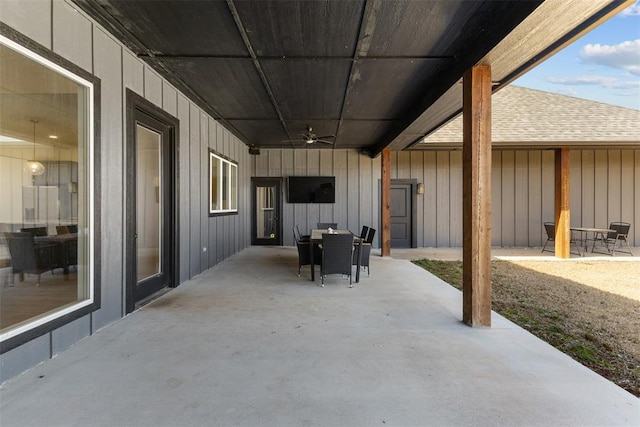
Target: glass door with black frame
x=266 y=222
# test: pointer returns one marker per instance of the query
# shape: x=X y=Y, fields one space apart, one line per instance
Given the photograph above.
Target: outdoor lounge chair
x=615 y=241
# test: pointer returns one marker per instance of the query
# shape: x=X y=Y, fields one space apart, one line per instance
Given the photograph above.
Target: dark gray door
x=402 y=229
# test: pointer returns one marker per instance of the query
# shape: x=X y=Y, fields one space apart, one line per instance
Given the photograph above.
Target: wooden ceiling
x=374 y=73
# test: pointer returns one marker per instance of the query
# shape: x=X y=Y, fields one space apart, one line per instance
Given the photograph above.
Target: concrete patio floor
x=248 y=343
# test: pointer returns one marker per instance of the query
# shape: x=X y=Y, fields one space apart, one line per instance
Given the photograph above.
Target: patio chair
x=550 y=228
x=614 y=241
x=365 y=249
x=304 y=255
x=325 y=225
x=337 y=255
x=300 y=236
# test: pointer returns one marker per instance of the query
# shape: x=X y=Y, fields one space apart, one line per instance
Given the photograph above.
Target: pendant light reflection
x=34 y=167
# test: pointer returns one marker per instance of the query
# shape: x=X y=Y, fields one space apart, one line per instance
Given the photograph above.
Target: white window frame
x=223 y=164
x=90 y=176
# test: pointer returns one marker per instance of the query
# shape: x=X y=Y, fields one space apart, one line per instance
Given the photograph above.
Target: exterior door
x=151 y=232
x=266 y=224
x=403 y=229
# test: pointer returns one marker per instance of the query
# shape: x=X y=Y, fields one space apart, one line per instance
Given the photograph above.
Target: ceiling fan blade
x=324 y=141
x=326 y=136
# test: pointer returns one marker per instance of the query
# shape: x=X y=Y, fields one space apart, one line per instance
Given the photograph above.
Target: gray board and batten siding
x=60 y=27
x=357 y=179
x=605 y=187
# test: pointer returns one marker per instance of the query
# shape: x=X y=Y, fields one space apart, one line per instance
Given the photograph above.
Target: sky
x=603 y=65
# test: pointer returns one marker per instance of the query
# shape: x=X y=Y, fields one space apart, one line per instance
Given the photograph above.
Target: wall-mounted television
x=311 y=189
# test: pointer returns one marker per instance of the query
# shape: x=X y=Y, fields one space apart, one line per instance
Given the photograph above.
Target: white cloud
x=584 y=80
x=625 y=56
x=567 y=91
x=626 y=85
x=633 y=10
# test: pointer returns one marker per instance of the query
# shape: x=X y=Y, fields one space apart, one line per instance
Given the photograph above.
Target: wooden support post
x=386 y=202
x=476 y=197
x=562 y=210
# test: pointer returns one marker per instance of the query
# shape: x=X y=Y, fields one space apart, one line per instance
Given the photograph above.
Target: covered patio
x=262 y=346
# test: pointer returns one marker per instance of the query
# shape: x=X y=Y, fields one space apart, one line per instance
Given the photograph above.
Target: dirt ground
x=587 y=309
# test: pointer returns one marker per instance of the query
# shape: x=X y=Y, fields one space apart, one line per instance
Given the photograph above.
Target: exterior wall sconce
x=420 y=189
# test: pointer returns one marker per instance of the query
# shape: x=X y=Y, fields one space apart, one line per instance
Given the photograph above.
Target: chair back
x=302 y=237
x=35 y=231
x=621 y=229
x=337 y=250
x=22 y=251
x=364 y=233
x=550 y=228
x=369 y=238
x=325 y=225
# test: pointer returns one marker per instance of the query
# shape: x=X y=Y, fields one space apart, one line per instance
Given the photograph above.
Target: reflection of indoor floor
x=147 y=263
x=25 y=300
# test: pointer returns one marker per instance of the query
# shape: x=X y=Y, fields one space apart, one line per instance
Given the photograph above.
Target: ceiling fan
x=311 y=138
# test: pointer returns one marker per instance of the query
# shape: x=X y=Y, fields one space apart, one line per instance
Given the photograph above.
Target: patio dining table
x=584 y=235
x=316 y=238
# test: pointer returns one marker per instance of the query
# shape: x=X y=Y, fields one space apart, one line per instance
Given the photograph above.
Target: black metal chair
x=614 y=241
x=550 y=228
x=29 y=257
x=300 y=236
x=364 y=232
x=337 y=255
x=325 y=225
x=365 y=248
x=304 y=255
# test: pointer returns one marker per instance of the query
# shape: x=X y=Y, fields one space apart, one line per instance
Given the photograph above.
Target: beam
x=476 y=196
x=562 y=210
x=386 y=202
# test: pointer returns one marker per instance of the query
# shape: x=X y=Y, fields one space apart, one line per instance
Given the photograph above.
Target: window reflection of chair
x=35 y=231
x=29 y=257
x=614 y=241
x=550 y=228
x=337 y=255
x=304 y=255
x=325 y=225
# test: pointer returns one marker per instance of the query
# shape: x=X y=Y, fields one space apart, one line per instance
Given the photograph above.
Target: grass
x=555 y=319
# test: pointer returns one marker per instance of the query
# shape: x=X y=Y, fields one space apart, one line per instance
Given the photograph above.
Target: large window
x=46 y=214
x=223 y=185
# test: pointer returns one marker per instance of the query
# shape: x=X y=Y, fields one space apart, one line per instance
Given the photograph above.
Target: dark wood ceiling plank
x=308 y=28
x=384 y=88
x=232 y=87
x=311 y=89
x=501 y=17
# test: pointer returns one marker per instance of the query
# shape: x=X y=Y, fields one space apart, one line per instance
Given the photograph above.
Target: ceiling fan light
x=34 y=167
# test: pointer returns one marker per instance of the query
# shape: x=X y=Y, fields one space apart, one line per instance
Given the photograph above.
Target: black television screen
x=312 y=189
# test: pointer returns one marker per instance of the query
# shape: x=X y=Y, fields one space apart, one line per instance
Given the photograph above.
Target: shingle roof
x=526 y=115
